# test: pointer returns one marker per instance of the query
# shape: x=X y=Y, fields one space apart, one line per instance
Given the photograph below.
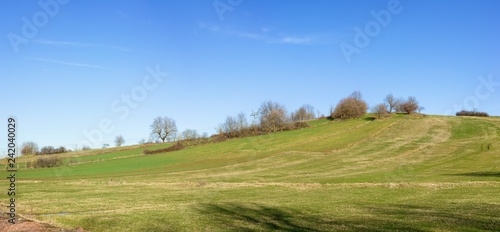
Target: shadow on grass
x=254 y=217
x=393 y=217
x=477 y=174
x=471 y=217
x=371 y=119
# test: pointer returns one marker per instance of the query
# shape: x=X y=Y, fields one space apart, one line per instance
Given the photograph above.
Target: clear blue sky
x=70 y=73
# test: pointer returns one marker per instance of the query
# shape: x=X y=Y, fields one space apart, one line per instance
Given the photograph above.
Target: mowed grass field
x=406 y=173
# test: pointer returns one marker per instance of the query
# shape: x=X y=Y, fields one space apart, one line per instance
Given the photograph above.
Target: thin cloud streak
x=70 y=63
x=79 y=44
x=263 y=36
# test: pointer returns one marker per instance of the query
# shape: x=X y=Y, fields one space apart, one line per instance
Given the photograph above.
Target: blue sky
x=70 y=73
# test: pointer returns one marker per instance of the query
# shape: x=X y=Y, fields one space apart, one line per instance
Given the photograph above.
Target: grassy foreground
x=403 y=173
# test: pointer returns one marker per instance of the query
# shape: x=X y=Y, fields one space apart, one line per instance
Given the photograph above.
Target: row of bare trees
x=31 y=148
x=273 y=117
x=473 y=113
x=400 y=105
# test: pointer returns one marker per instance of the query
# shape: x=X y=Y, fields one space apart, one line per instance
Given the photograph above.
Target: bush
x=175 y=147
x=351 y=107
x=273 y=117
x=48 y=150
x=29 y=148
x=47 y=162
x=410 y=106
x=380 y=110
x=472 y=113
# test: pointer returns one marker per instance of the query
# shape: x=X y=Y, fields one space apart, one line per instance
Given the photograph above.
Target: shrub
x=410 y=106
x=175 y=147
x=29 y=148
x=472 y=113
x=380 y=110
x=47 y=162
x=273 y=117
x=351 y=107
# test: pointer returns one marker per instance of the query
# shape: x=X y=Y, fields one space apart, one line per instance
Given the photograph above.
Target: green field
x=407 y=173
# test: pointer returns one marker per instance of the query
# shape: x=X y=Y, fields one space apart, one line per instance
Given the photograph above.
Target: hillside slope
x=401 y=173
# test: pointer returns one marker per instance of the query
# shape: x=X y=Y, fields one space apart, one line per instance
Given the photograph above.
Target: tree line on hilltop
x=271 y=117
x=274 y=117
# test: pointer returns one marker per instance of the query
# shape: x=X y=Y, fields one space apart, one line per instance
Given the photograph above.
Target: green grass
x=402 y=173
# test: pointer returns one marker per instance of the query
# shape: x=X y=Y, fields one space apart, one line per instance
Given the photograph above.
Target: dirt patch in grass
x=25 y=225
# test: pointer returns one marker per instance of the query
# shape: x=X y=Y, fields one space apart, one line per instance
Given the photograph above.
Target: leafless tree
x=119 y=141
x=318 y=114
x=47 y=150
x=351 y=107
x=230 y=127
x=420 y=109
x=391 y=102
x=410 y=106
x=380 y=110
x=29 y=148
x=356 y=95
x=398 y=107
x=273 y=116
x=242 y=121
x=190 y=134
x=304 y=113
x=204 y=135
x=163 y=128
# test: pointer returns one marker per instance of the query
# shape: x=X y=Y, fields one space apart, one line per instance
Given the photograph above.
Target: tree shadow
x=237 y=217
x=477 y=174
x=371 y=119
x=473 y=217
x=391 y=217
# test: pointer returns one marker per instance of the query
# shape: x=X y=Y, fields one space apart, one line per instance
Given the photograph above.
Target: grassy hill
x=404 y=173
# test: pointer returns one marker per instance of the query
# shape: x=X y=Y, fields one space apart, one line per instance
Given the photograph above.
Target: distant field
x=407 y=173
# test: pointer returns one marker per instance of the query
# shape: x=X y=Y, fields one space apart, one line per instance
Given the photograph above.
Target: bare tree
x=204 y=135
x=398 y=105
x=391 y=102
x=304 y=113
x=190 y=134
x=420 y=109
x=410 y=106
x=273 y=116
x=351 y=107
x=29 y=148
x=119 y=141
x=230 y=127
x=242 y=121
x=163 y=128
x=356 y=95
x=47 y=150
x=380 y=110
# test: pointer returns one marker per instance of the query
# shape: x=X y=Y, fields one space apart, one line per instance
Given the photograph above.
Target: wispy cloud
x=70 y=63
x=296 y=40
x=80 y=44
x=264 y=35
x=247 y=35
x=210 y=27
